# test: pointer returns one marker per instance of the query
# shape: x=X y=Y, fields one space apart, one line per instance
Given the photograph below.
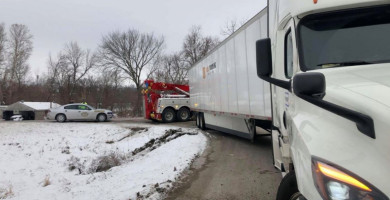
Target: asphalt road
x=231 y=168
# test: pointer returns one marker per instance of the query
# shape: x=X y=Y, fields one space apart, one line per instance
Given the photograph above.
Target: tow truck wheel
x=288 y=188
x=183 y=114
x=168 y=115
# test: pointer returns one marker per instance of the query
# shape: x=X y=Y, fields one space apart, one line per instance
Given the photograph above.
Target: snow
x=37 y=158
x=41 y=105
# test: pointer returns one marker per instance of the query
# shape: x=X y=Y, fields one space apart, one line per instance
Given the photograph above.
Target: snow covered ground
x=47 y=160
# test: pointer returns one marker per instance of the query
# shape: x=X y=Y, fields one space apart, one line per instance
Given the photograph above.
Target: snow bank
x=45 y=160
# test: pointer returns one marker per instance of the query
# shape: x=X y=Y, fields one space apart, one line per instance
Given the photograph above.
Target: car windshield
x=346 y=38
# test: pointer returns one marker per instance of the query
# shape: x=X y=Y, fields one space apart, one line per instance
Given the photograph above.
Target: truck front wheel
x=288 y=188
x=168 y=115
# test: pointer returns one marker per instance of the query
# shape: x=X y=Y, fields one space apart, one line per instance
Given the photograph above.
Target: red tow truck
x=166 y=102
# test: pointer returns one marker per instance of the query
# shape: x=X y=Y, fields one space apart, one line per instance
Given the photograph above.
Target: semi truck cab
x=328 y=65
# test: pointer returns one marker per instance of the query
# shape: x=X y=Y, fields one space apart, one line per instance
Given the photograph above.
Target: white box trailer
x=225 y=90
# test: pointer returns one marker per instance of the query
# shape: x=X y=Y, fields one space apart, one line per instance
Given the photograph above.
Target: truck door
x=285 y=61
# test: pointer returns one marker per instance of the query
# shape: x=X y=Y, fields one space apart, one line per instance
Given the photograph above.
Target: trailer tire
x=288 y=188
x=197 y=120
x=183 y=114
x=168 y=115
x=202 y=122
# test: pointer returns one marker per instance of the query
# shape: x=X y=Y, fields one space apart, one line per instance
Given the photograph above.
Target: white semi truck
x=327 y=63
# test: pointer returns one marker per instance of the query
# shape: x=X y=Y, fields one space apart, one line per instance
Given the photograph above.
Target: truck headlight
x=336 y=183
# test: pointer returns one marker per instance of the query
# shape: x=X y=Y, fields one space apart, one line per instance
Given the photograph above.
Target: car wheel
x=168 y=115
x=183 y=114
x=288 y=188
x=61 y=118
x=101 y=117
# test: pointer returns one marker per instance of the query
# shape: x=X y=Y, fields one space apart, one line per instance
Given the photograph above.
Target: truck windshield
x=345 y=38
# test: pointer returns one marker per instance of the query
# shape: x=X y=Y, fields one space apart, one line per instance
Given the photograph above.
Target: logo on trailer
x=208 y=70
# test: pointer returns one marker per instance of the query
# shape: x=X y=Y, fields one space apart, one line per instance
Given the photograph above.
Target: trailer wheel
x=202 y=123
x=168 y=115
x=288 y=188
x=183 y=114
x=197 y=120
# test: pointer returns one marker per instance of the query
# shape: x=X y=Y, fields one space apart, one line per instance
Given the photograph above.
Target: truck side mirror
x=264 y=57
x=264 y=64
x=311 y=86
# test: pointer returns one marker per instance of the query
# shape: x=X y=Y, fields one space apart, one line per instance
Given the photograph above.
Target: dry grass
x=46 y=181
x=110 y=142
x=104 y=163
x=74 y=163
x=6 y=193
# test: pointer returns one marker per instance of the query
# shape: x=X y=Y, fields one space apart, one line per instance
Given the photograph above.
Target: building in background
x=28 y=110
x=2 y=107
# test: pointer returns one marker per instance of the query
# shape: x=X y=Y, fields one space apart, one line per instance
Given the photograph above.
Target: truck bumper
x=155 y=116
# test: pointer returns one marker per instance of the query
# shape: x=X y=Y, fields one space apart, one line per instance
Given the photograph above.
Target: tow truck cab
x=328 y=65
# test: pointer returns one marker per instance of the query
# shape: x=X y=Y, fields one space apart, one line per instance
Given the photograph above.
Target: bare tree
x=67 y=71
x=77 y=64
x=196 y=46
x=3 y=39
x=56 y=77
x=230 y=27
x=132 y=52
x=20 y=48
x=172 y=69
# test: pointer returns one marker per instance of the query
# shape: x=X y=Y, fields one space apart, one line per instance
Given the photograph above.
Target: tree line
x=110 y=76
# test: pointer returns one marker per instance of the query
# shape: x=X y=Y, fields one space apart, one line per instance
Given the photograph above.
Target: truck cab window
x=345 y=38
x=288 y=69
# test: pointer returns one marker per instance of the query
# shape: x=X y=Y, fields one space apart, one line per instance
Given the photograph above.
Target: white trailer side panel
x=226 y=79
x=222 y=71
x=242 y=73
x=231 y=76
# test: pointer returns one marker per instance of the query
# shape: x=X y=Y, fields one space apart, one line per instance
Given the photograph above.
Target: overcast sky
x=55 y=22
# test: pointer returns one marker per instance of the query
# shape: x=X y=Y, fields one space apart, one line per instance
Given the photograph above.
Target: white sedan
x=79 y=112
